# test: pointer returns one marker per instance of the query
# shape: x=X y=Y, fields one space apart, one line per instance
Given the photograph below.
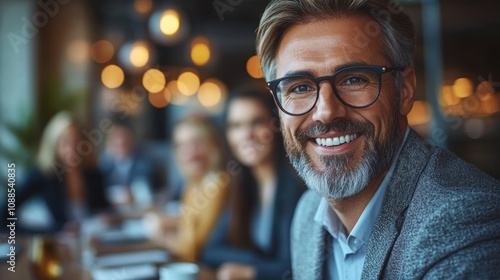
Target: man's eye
x=303 y=88
x=353 y=80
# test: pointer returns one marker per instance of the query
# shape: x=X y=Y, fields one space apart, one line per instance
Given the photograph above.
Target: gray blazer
x=440 y=220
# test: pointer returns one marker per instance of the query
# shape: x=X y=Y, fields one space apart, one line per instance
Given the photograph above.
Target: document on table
x=135 y=272
x=131 y=258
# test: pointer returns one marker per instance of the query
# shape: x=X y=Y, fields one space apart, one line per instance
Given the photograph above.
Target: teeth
x=335 y=141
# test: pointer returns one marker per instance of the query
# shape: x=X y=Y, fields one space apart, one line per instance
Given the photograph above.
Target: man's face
x=336 y=171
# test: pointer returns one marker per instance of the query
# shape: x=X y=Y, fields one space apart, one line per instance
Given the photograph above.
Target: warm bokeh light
x=211 y=92
x=200 y=51
x=167 y=95
x=253 y=67
x=484 y=90
x=470 y=105
x=112 y=76
x=136 y=56
x=168 y=26
x=463 y=87
x=169 y=22
x=78 y=51
x=143 y=6
x=154 y=80
x=188 y=83
x=102 y=51
x=139 y=54
x=448 y=98
x=159 y=100
x=420 y=113
x=176 y=97
x=490 y=103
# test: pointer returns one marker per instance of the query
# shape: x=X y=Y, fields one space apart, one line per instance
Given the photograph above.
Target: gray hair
x=395 y=26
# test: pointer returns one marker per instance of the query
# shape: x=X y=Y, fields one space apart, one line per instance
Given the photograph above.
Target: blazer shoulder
x=453 y=219
x=450 y=187
x=447 y=169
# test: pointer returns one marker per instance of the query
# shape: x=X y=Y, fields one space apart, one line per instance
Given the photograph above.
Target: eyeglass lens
x=357 y=87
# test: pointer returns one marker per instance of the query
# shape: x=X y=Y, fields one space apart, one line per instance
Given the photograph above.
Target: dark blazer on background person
x=53 y=193
x=440 y=219
x=141 y=168
x=273 y=263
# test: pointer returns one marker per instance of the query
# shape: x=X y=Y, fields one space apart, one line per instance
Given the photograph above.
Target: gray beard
x=336 y=180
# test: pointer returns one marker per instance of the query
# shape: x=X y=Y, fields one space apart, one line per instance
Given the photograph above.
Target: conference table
x=95 y=251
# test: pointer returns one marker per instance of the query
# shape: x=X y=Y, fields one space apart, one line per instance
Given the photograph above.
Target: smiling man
x=383 y=203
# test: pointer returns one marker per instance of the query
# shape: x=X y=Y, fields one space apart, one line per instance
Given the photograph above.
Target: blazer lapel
x=411 y=162
x=310 y=246
x=321 y=247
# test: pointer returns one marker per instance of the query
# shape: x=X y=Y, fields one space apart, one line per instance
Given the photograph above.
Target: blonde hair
x=53 y=131
x=46 y=157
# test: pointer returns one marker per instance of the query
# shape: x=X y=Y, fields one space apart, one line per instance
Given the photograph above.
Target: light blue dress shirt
x=346 y=261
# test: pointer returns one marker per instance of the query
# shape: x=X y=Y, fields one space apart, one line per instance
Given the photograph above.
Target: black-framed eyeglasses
x=355 y=86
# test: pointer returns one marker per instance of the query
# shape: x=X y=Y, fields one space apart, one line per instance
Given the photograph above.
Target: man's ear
x=407 y=94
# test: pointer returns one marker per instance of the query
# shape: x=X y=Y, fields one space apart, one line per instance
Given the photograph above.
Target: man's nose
x=328 y=107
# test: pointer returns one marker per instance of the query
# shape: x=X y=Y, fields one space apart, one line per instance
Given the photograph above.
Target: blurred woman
x=199 y=155
x=65 y=177
x=252 y=238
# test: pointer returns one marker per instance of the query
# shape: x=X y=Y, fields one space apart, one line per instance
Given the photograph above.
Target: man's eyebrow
x=349 y=64
x=311 y=74
x=298 y=72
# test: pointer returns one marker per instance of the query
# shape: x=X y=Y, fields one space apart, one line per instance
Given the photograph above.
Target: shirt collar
x=362 y=230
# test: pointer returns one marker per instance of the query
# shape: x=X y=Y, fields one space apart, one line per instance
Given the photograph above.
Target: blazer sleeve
x=96 y=193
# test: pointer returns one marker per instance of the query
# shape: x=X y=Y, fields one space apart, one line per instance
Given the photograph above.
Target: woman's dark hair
x=244 y=190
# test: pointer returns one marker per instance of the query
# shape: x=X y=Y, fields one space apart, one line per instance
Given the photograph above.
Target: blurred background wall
x=148 y=62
